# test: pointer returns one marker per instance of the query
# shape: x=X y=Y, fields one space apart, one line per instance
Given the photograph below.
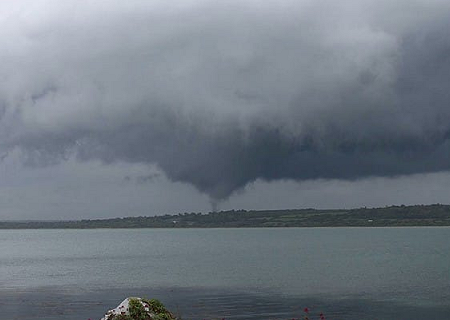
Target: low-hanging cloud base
x=219 y=95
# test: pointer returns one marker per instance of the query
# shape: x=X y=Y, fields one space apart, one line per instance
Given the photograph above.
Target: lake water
x=349 y=273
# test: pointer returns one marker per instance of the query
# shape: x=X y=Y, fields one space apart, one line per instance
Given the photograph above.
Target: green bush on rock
x=140 y=309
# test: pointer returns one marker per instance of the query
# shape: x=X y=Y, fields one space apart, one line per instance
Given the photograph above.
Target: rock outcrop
x=139 y=309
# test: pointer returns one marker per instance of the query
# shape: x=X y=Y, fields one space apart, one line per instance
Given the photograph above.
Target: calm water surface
x=406 y=266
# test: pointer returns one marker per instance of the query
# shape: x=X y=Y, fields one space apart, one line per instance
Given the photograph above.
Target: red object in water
x=306 y=310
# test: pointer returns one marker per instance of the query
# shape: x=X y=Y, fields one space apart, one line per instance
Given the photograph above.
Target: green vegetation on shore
x=143 y=309
x=419 y=215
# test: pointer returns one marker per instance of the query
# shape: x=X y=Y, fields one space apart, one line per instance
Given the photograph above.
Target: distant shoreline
x=393 y=216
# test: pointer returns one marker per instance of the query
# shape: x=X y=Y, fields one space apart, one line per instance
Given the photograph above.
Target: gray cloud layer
x=221 y=94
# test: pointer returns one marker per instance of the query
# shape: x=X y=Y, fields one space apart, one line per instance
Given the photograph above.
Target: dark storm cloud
x=221 y=94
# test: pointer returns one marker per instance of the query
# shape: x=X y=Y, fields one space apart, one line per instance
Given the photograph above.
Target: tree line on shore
x=417 y=215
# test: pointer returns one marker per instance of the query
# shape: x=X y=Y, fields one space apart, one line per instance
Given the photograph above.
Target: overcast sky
x=126 y=108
